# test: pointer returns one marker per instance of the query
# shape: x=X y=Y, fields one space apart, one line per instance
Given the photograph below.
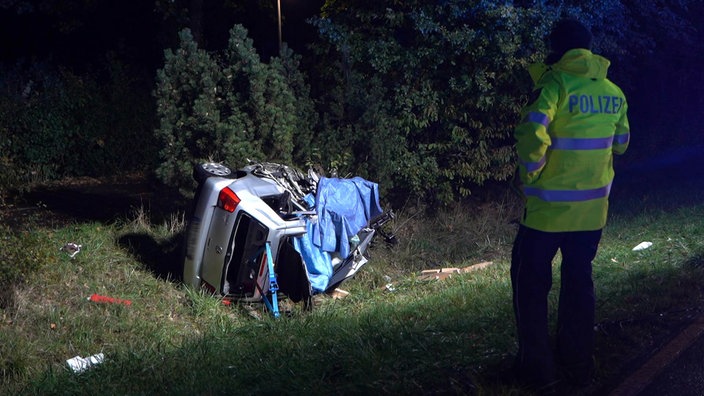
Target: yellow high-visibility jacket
x=566 y=141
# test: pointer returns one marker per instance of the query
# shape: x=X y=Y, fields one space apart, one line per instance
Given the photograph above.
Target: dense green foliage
x=427 y=93
x=58 y=124
x=229 y=107
x=418 y=96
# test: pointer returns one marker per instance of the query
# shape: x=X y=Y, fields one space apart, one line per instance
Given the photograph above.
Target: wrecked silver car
x=269 y=229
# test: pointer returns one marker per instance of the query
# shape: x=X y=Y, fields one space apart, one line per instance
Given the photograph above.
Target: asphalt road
x=677 y=369
x=683 y=377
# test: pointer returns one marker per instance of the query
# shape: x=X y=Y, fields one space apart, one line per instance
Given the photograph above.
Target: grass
x=416 y=337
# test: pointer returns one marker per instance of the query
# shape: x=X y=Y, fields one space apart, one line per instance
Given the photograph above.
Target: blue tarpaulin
x=343 y=208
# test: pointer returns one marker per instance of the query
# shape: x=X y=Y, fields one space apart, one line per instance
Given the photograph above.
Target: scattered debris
x=443 y=273
x=71 y=248
x=642 y=246
x=438 y=274
x=79 y=364
x=109 y=300
x=339 y=293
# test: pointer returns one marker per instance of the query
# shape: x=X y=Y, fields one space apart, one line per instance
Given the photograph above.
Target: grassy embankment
x=447 y=336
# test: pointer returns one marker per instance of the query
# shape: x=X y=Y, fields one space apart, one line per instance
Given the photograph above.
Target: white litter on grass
x=72 y=249
x=79 y=364
x=642 y=246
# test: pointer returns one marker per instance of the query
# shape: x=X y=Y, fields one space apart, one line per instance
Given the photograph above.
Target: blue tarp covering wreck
x=343 y=208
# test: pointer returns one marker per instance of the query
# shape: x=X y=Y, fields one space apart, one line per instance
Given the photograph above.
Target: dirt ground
x=89 y=199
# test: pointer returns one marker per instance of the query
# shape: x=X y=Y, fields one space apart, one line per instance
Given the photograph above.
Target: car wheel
x=209 y=169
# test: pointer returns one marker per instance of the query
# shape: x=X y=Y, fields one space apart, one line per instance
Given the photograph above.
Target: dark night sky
x=138 y=34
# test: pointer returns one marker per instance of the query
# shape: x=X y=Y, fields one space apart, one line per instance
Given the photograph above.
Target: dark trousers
x=531 y=279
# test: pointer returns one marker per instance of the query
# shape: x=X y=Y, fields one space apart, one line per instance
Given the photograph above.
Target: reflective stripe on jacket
x=566 y=141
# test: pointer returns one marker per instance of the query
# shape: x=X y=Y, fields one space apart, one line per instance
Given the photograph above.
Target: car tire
x=210 y=169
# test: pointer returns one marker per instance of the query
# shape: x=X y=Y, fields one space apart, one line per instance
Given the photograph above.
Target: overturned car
x=268 y=228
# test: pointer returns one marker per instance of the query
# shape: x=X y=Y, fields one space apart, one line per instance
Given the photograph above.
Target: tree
x=229 y=107
x=429 y=92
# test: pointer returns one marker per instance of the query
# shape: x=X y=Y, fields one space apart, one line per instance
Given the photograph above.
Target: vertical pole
x=278 y=7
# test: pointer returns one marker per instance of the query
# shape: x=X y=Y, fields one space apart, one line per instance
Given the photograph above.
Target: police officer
x=565 y=142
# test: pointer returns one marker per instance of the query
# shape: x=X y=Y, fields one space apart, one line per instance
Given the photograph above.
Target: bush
x=431 y=91
x=57 y=124
x=426 y=94
x=229 y=107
